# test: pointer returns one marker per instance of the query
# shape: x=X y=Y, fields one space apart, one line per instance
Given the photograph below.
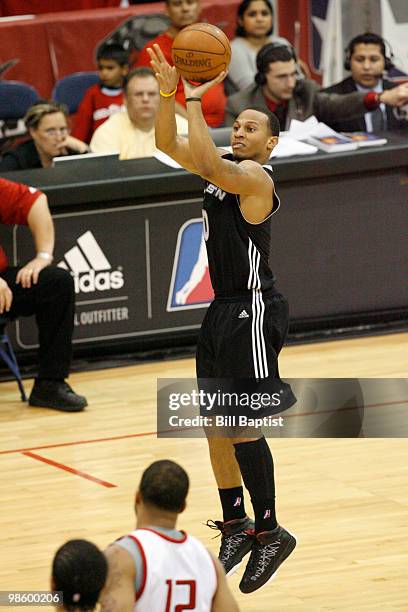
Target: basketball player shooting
x=239 y=200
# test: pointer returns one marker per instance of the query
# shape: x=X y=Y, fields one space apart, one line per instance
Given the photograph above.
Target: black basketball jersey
x=238 y=251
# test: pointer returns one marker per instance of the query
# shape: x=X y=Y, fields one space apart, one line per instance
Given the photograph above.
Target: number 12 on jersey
x=176 y=584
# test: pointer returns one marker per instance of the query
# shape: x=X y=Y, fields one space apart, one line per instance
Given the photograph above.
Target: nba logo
x=190 y=285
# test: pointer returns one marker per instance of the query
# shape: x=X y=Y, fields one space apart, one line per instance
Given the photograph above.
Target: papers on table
x=321 y=135
x=288 y=146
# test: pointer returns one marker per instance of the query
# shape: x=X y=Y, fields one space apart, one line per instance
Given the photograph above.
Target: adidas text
x=98 y=281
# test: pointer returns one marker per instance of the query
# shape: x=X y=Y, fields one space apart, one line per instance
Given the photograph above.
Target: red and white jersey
x=178 y=574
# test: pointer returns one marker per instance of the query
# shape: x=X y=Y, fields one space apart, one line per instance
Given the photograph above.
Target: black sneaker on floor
x=56 y=395
x=269 y=550
x=237 y=538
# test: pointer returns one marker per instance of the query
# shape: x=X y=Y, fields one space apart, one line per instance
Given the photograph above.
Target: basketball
x=200 y=52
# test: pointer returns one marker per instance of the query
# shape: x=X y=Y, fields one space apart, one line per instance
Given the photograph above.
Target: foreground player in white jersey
x=156 y=567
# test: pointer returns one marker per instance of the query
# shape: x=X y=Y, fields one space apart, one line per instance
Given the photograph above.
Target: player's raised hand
x=197 y=91
x=167 y=75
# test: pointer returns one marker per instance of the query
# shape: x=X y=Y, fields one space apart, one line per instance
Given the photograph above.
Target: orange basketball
x=200 y=52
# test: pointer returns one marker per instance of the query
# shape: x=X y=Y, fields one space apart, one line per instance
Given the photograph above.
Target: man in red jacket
x=41 y=290
x=183 y=13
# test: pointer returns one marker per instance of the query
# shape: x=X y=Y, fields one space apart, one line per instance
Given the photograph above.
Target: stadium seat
x=71 y=89
x=15 y=99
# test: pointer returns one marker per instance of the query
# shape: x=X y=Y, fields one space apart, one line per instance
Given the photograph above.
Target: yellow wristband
x=168 y=95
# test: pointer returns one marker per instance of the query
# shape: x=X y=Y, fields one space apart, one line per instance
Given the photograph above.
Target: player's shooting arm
x=118 y=594
x=167 y=140
x=245 y=178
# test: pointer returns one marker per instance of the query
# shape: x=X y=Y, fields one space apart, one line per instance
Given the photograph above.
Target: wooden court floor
x=66 y=476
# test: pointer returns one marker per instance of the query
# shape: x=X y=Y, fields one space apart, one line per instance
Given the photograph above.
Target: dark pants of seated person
x=52 y=302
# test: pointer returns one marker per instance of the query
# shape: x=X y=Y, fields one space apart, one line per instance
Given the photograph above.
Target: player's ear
x=183 y=507
x=272 y=142
x=138 y=500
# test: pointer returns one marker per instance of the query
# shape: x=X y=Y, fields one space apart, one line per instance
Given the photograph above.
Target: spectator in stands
x=47 y=124
x=40 y=290
x=131 y=133
x=183 y=13
x=278 y=88
x=104 y=99
x=79 y=571
x=367 y=59
x=254 y=30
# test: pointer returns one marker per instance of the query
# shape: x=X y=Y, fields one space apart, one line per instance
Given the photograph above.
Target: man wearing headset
x=367 y=60
x=278 y=87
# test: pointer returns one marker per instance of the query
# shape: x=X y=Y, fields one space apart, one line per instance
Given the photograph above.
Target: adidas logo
x=243 y=315
x=89 y=266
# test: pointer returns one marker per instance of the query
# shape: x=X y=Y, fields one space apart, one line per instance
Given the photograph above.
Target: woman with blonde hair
x=47 y=125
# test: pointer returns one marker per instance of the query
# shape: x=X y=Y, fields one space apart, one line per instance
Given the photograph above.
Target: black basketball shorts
x=242 y=339
x=237 y=357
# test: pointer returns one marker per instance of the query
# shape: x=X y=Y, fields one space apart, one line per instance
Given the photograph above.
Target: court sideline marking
x=71 y=470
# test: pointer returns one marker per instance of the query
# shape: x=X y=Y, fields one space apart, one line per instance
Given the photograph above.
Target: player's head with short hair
x=254 y=134
x=79 y=570
x=164 y=485
x=272 y=120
